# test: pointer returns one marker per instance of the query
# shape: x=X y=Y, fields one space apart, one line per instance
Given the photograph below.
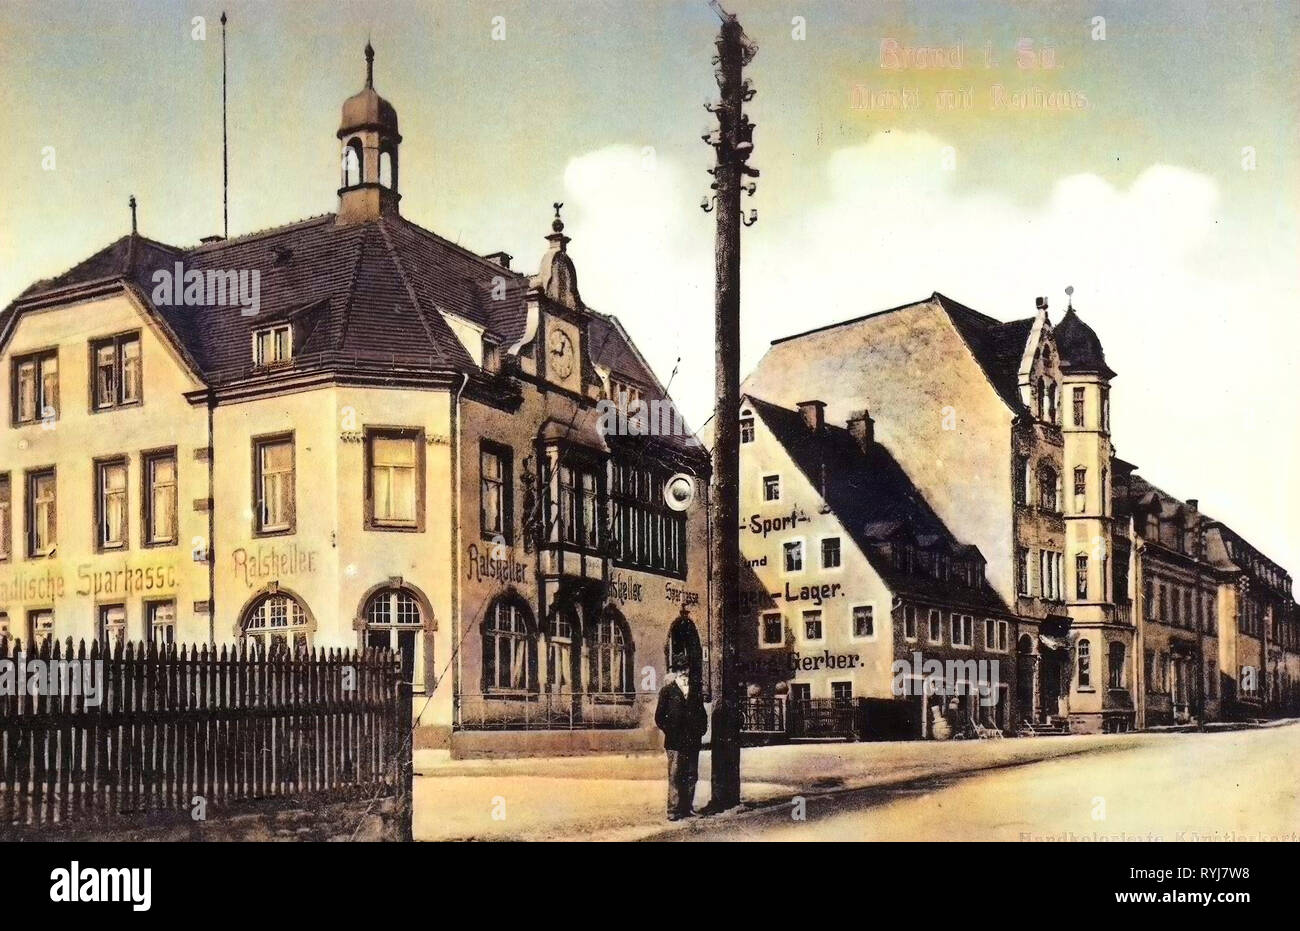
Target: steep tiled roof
x=873 y=498
x=376 y=292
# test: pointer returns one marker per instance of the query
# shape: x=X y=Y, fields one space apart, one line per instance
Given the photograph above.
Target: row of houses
x=964 y=467
x=350 y=432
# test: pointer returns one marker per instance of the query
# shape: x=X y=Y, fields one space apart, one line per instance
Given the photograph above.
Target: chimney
x=1194 y=503
x=813 y=414
x=862 y=428
x=1040 y=303
x=500 y=258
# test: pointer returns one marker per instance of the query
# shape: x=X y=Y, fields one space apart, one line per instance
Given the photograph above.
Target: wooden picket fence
x=181 y=728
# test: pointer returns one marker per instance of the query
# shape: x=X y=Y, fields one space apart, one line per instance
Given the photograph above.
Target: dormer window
x=273 y=345
x=491 y=356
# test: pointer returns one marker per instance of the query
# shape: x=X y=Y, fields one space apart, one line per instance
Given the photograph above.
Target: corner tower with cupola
x=1105 y=701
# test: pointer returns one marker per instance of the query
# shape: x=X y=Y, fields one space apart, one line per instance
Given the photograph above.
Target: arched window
x=1051 y=402
x=1042 y=396
x=387 y=174
x=352 y=164
x=560 y=634
x=277 y=621
x=1085 y=664
x=611 y=656
x=1115 y=670
x=394 y=622
x=509 y=647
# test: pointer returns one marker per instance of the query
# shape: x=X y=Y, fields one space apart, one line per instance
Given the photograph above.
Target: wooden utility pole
x=732 y=142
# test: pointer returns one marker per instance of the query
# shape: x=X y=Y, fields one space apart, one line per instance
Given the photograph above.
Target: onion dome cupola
x=1079 y=348
x=369 y=137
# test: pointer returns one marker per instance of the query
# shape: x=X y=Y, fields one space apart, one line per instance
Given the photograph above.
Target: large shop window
x=277 y=622
x=559 y=650
x=611 y=656
x=648 y=534
x=394 y=622
x=509 y=648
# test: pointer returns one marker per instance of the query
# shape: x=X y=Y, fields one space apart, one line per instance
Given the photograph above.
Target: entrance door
x=1025 y=660
x=1050 y=680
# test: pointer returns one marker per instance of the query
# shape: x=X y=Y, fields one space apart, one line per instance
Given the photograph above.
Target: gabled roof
x=876 y=502
x=997 y=347
x=373 y=293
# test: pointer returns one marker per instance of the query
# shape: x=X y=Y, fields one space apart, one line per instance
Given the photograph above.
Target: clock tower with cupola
x=559 y=316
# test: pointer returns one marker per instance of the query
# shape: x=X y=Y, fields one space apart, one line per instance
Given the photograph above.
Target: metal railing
x=554 y=710
x=762 y=716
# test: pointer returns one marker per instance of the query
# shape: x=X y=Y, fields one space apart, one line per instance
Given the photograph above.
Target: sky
x=1143 y=153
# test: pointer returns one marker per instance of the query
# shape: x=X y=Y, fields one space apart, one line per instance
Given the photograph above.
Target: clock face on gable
x=561 y=354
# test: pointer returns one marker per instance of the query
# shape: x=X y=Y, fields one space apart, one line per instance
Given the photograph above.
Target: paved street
x=1243 y=781
x=1151 y=787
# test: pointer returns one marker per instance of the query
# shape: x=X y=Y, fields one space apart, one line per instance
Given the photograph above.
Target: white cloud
x=1196 y=317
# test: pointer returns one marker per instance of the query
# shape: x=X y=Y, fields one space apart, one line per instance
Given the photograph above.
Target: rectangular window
x=842 y=691
x=110 y=504
x=936 y=626
x=160 y=621
x=1004 y=635
x=395 y=478
x=990 y=634
x=42 y=533
x=793 y=556
x=1047 y=491
x=1081 y=576
x=963 y=630
x=646 y=532
x=864 y=621
x=747 y=429
x=112 y=626
x=1021 y=480
x=831 y=553
x=495 y=490
x=159 y=498
x=273 y=345
x=800 y=692
x=6 y=517
x=773 y=629
x=1078 y=407
x=1162 y=603
x=1149 y=669
x=1080 y=490
x=812 y=625
x=40 y=629
x=1022 y=570
x=273 y=484
x=35 y=387
x=909 y=622
x=1105 y=409
x=771 y=488
x=116 y=365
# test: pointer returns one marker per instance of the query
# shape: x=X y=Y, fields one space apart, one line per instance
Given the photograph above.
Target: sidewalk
x=622 y=797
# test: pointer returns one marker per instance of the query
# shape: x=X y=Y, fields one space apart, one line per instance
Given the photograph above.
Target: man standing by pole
x=733 y=144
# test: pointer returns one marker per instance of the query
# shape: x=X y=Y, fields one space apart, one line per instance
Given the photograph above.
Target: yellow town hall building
x=370 y=437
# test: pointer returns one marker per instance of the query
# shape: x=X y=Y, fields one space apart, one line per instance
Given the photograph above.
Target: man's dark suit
x=683 y=721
